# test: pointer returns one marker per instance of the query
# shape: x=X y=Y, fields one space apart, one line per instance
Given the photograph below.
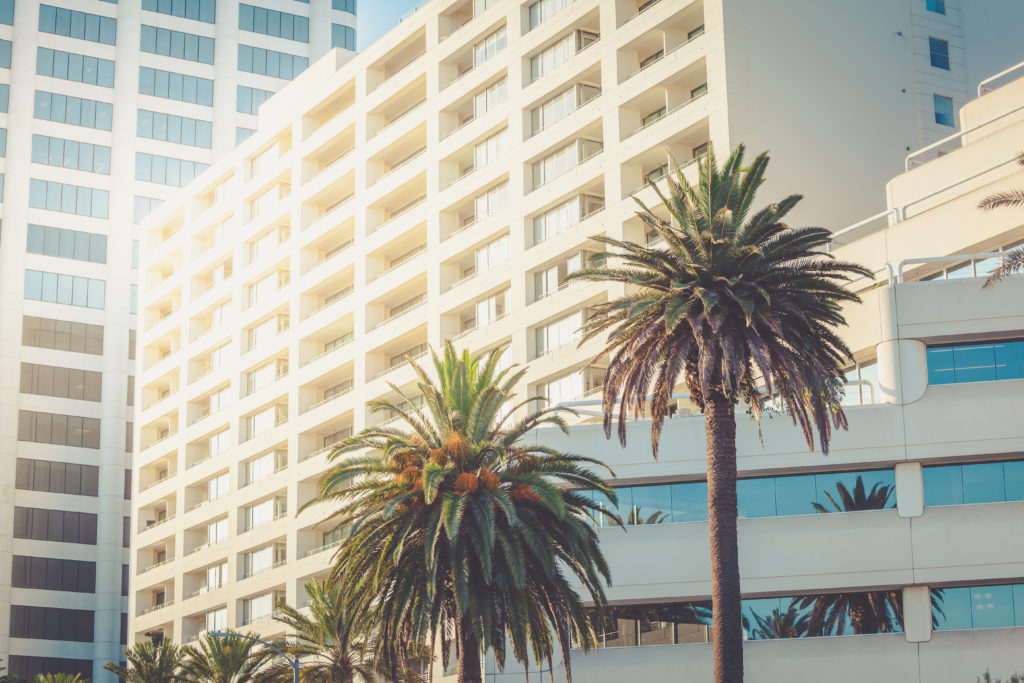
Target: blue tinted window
x=944 y=110
x=3 y=142
x=939 y=53
x=82 y=201
x=5 y=95
x=690 y=501
x=242 y=134
x=5 y=54
x=197 y=10
x=979 y=607
x=273 y=23
x=250 y=99
x=74 y=67
x=935 y=6
x=270 y=63
x=75 y=24
x=162 y=41
x=166 y=170
x=64 y=289
x=7 y=12
x=756 y=497
x=943 y=485
x=82 y=246
x=976 y=362
x=81 y=156
x=173 y=128
x=73 y=110
x=651 y=505
x=343 y=36
x=344 y=5
x=175 y=86
x=991 y=482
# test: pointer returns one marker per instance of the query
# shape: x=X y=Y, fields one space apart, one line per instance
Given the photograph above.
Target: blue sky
x=376 y=17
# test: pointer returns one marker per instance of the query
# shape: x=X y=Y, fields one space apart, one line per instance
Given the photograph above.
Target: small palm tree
x=1013 y=261
x=333 y=646
x=222 y=659
x=736 y=304
x=987 y=678
x=779 y=624
x=59 y=678
x=463 y=531
x=149 y=662
x=860 y=499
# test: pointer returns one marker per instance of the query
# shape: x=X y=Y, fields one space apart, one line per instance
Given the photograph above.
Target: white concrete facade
x=410 y=196
x=87 y=137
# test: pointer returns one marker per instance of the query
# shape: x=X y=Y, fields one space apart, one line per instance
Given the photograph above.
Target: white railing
x=159 y=564
x=402 y=260
x=328 y=351
x=983 y=86
x=568 y=228
x=154 y=608
x=579 y=163
x=155 y=482
x=401 y=211
x=333 y=209
x=896 y=274
x=673 y=110
x=957 y=136
x=404 y=363
x=401 y=116
x=341 y=296
x=646 y=183
x=412 y=308
x=337 y=251
x=663 y=56
x=155 y=523
x=647 y=6
x=402 y=162
x=334 y=162
x=322 y=548
x=333 y=397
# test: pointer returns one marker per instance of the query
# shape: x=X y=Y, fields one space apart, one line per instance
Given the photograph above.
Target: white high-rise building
x=106 y=108
x=443 y=183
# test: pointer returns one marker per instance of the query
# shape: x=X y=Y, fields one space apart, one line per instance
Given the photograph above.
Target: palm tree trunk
x=726 y=624
x=469 y=653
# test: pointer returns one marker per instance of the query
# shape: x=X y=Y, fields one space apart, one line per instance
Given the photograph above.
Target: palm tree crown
x=223 y=659
x=149 y=662
x=734 y=300
x=462 y=532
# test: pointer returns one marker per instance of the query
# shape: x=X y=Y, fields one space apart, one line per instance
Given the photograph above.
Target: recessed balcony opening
x=681 y=90
x=393 y=355
x=267 y=203
x=154 y=597
x=263 y=559
x=559 y=51
x=457 y=15
x=329 y=206
x=332 y=107
x=211 y=618
x=579 y=384
x=399 y=57
x=163 y=427
x=485 y=309
x=564 y=157
x=397 y=303
x=321 y=538
x=267 y=330
x=330 y=153
x=214 y=193
x=485 y=44
x=208 y=533
x=333 y=243
x=396 y=203
x=396 y=253
x=488 y=148
x=684 y=146
x=476 y=261
x=569 y=212
x=684 y=27
x=473 y=105
x=263 y=512
x=203 y=364
x=226 y=225
x=396 y=108
x=396 y=155
x=213 y=443
x=210 y=318
x=411 y=401
x=155 y=553
x=263 y=466
x=328 y=292
x=210 y=403
x=163 y=308
x=216 y=276
x=562 y=101
x=564 y=330
x=155 y=514
x=206 y=490
x=486 y=202
x=166 y=229
x=269 y=156
x=322 y=438
x=158 y=471
x=163 y=269
x=161 y=348
x=333 y=337
x=260 y=609
x=551 y=278
x=326 y=388
x=264 y=374
x=264 y=419
x=261 y=289
x=203 y=580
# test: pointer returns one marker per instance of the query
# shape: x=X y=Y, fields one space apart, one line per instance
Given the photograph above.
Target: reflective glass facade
x=969 y=607
x=986 y=482
x=979 y=362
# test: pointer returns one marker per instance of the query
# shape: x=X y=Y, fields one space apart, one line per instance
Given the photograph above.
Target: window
x=554 y=335
x=563 y=160
x=937 y=6
x=5 y=54
x=7 y=17
x=986 y=482
x=172 y=128
x=52 y=623
x=858 y=394
x=161 y=41
x=944 y=110
x=73 y=244
x=5 y=96
x=258 y=607
x=651 y=59
x=26 y=668
x=75 y=24
x=549 y=280
x=939 y=53
x=51 y=574
x=250 y=99
x=489 y=46
x=219 y=442
x=490 y=150
x=197 y=10
x=82 y=156
x=59 y=430
x=166 y=170
x=256 y=60
x=3 y=142
x=490 y=255
x=56 y=477
x=273 y=23
x=561 y=105
x=73 y=199
x=242 y=134
x=61 y=335
x=542 y=10
x=175 y=86
x=60 y=382
x=572 y=386
x=74 y=110
x=700 y=150
x=64 y=289
x=343 y=36
x=60 y=526
x=558 y=219
x=74 y=67
x=557 y=54
x=978 y=362
x=344 y=6
x=264 y=513
x=700 y=90
x=264 y=559
x=653 y=116
x=489 y=310
x=490 y=97
x=143 y=206
x=262 y=467
x=971 y=607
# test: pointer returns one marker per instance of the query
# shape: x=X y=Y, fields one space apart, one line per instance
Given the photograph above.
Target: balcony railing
x=340 y=295
x=402 y=162
x=155 y=482
x=159 y=564
x=332 y=210
x=154 y=608
x=406 y=311
x=651 y=63
x=401 y=211
x=646 y=6
x=263 y=570
x=323 y=548
x=156 y=523
x=395 y=368
x=402 y=260
x=569 y=228
x=473 y=329
x=401 y=116
x=667 y=113
x=334 y=162
x=330 y=398
x=646 y=183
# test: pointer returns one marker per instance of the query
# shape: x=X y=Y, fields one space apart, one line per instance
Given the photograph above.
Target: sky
x=377 y=17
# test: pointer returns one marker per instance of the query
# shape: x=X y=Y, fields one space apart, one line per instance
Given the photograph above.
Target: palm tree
x=860 y=499
x=987 y=678
x=59 y=678
x=7 y=678
x=872 y=612
x=1013 y=261
x=779 y=624
x=462 y=532
x=334 y=646
x=737 y=304
x=222 y=659
x=149 y=662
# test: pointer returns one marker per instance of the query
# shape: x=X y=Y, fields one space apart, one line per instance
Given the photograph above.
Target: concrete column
x=917 y=614
x=902 y=371
x=909 y=489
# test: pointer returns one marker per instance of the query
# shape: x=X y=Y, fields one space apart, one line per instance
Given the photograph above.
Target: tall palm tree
x=149 y=662
x=331 y=643
x=461 y=530
x=736 y=304
x=222 y=659
x=1013 y=261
